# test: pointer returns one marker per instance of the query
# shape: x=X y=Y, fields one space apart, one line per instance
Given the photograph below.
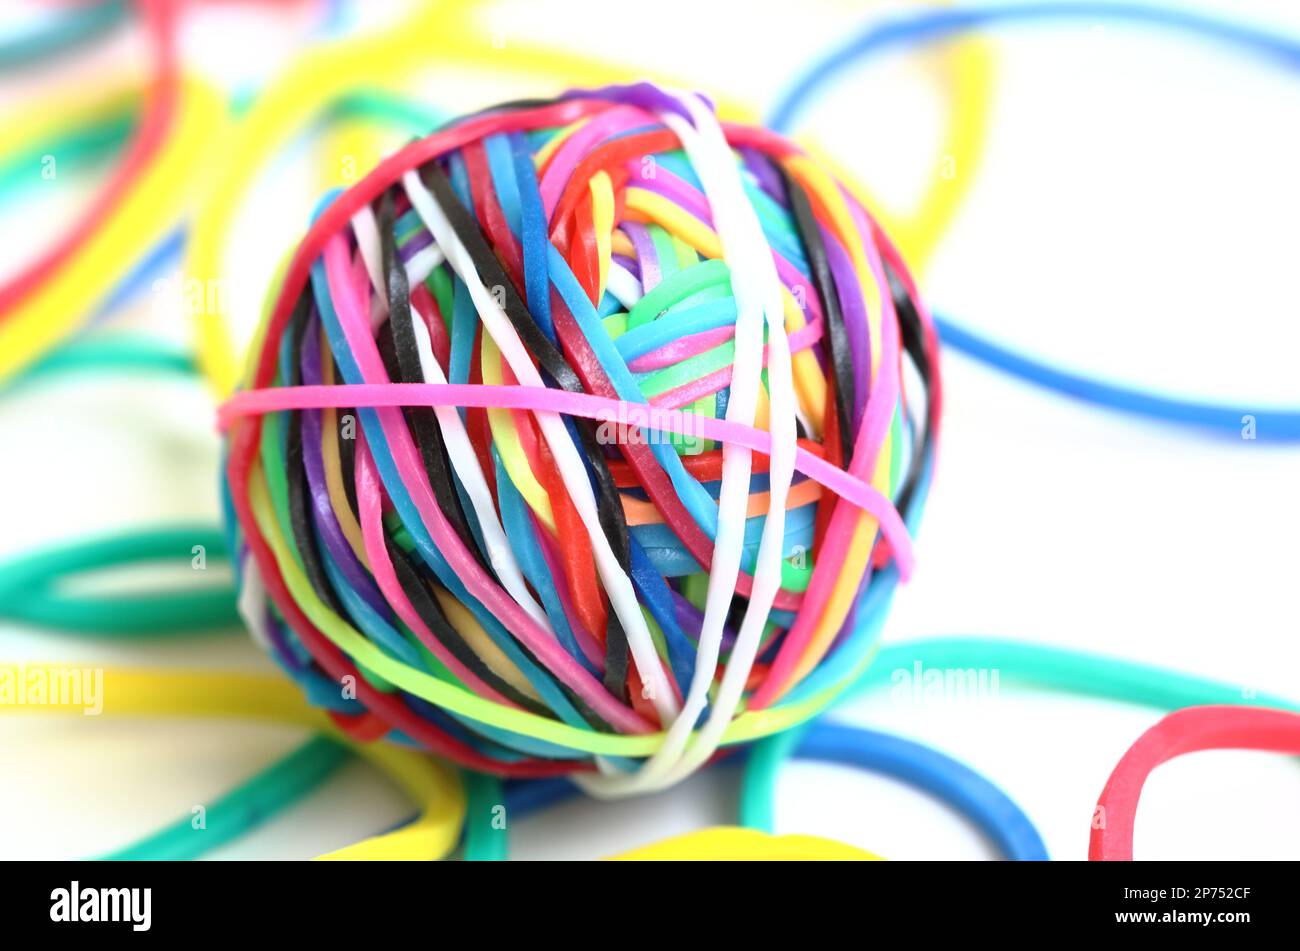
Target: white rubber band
x=460 y=451
x=757 y=290
x=617 y=584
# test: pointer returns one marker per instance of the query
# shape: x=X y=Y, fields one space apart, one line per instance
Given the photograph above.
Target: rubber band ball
x=583 y=436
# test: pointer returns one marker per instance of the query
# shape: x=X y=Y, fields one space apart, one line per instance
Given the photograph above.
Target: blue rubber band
x=919 y=29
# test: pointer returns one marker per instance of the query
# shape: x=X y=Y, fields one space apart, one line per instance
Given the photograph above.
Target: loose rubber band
x=1056 y=668
x=47 y=311
x=163 y=100
x=259 y=799
x=30 y=585
x=918 y=765
x=1183 y=731
x=434 y=786
x=724 y=843
x=911 y=30
x=68 y=30
x=987 y=806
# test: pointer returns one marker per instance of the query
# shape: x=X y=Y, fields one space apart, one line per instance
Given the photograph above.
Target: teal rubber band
x=67 y=31
x=1056 y=668
x=1066 y=670
x=112 y=354
x=29 y=585
x=245 y=808
x=758 y=778
x=486 y=839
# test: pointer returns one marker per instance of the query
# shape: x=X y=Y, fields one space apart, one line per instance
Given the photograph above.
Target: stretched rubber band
x=248 y=403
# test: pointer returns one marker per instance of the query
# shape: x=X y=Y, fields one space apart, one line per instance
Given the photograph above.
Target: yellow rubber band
x=431 y=784
x=744 y=728
x=732 y=843
x=153 y=205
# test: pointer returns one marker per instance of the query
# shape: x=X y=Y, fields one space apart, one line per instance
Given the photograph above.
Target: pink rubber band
x=848 y=486
x=347 y=297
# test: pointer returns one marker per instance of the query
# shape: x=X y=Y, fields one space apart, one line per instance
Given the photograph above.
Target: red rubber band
x=1183 y=731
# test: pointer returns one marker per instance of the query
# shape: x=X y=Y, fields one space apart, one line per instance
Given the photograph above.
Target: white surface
x=1134 y=215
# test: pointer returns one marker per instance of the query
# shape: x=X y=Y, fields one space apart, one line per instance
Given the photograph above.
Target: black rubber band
x=553 y=363
x=837 y=335
x=913 y=338
x=422 y=420
x=300 y=518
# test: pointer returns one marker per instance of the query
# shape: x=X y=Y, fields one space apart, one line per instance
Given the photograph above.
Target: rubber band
x=76 y=129
x=1055 y=668
x=913 y=763
x=756 y=289
x=1052 y=667
x=151 y=693
x=446 y=34
x=260 y=798
x=733 y=844
x=485 y=832
x=987 y=806
x=644 y=667
x=865 y=497
x=68 y=30
x=604 y=262
x=47 y=311
x=911 y=30
x=1183 y=731
x=1065 y=670
x=158 y=116
x=120 y=353
x=30 y=585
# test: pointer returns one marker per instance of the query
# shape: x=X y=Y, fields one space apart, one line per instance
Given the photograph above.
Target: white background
x=1134 y=216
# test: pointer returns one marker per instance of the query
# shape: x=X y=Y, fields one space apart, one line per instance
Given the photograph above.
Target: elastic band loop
x=912 y=30
x=1183 y=731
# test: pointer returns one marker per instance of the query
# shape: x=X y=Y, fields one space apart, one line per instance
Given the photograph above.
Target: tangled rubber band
x=422 y=492
x=76 y=360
